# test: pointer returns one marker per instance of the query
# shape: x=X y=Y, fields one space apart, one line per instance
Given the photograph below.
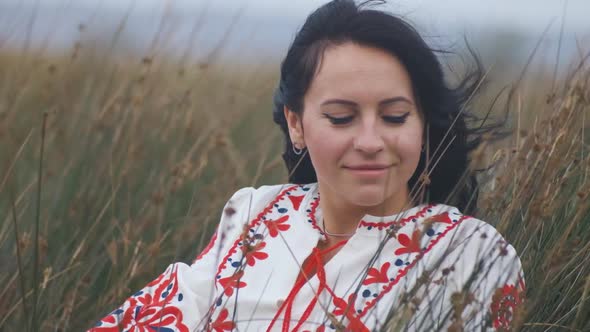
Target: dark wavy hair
x=449 y=141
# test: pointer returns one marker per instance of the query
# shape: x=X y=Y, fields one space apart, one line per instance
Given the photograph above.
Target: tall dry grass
x=114 y=167
x=139 y=157
x=538 y=197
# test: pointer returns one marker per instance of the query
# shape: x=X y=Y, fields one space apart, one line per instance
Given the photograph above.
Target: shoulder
x=469 y=256
x=489 y=268
x=471 y=238
x=466 y=225
x=255 y=198
x=249 y=203
x=481 y=243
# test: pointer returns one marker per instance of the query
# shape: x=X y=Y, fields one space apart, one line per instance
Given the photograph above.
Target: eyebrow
x=382 y=103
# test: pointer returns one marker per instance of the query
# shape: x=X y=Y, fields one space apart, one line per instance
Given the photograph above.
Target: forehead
x=356 y=71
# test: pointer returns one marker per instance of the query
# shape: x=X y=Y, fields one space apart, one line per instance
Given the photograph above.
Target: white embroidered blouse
x=429 y=267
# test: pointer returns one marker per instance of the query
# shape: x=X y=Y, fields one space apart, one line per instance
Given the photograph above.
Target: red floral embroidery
x=146 y=311
x=207 y=248
x=402 y=273
x=110 y=319
x=504 y=302
x=296 y=200
x=347 y=309
x=276 y=226
x=342 y=306
x=442 y=218
x=377 y=276
x=253 y=253
x=409 y=245
x=220 y=324
x=382 y=224
x=232 y=282
x=253 y=224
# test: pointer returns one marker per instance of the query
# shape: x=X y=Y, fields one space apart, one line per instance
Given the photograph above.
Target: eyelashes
x=396 y=119
x=387 y=118
x=339 y=120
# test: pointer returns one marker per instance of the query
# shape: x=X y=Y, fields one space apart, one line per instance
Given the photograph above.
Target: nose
x=368 y=140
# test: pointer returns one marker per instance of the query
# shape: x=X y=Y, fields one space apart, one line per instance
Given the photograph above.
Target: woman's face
x=361 y=126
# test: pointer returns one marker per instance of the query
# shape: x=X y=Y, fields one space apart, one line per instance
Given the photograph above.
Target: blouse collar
x=369 y=223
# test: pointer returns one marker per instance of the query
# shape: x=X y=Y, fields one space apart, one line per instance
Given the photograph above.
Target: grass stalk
x=34 y=318
x=19 y=263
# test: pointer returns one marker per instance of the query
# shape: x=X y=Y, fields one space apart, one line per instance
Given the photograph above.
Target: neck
x=343 y=217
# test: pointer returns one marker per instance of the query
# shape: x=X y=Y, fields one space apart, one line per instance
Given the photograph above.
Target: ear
x=295 y=128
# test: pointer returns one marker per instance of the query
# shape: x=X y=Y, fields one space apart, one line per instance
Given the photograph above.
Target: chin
x=368 y=196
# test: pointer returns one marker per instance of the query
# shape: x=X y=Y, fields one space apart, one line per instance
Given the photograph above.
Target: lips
x=370 y=172
x=368 y=167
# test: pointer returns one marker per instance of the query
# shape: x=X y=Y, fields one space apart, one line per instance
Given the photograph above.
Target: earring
x=296 y=150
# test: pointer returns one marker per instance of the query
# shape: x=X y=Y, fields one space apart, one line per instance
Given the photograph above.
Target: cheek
x=326 y=149
x=409 y=147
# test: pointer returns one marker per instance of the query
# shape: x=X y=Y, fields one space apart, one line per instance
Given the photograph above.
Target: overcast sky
x=517 y=12
x=270 y=24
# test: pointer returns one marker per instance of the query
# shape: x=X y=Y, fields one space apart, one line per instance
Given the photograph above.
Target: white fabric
x=439 y=268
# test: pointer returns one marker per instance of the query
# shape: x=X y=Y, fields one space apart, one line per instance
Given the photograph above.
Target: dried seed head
x=456 y=326
x=416 y=302
x=457 y=299
x=146 y=60
x=46 y=277
x=137 y=100
x=158 y=197
x=76 y=50
x=424 y=178
x=229 y=211
x=424 y=279
x=428 y=222
x=112 y=250
x=221 y=140
x=503 y=251
x=86 y=280
x=446 y=271
x=154 y=249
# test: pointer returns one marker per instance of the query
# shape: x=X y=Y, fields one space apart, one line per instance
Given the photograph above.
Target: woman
x=372 y=130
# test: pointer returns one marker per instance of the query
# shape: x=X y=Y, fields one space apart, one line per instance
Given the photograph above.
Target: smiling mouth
x=369 y=171
x=368 y=168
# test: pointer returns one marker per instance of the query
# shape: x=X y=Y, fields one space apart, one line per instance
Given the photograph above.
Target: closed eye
x=339 y=120
x=387 y=118
x=396 y=119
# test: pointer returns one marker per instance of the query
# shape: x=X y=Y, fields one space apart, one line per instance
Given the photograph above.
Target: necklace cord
x=335 y=234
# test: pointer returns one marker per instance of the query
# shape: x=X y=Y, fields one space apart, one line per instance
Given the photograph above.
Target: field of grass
x=112 y=167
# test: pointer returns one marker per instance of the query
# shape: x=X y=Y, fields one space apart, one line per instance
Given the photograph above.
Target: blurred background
x=126 y=125
x=255 y=31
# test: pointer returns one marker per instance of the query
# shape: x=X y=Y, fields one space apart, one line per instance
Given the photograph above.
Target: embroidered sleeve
x=180 y=298
x=490 y=291
x=471 y=281
x=502 y=287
